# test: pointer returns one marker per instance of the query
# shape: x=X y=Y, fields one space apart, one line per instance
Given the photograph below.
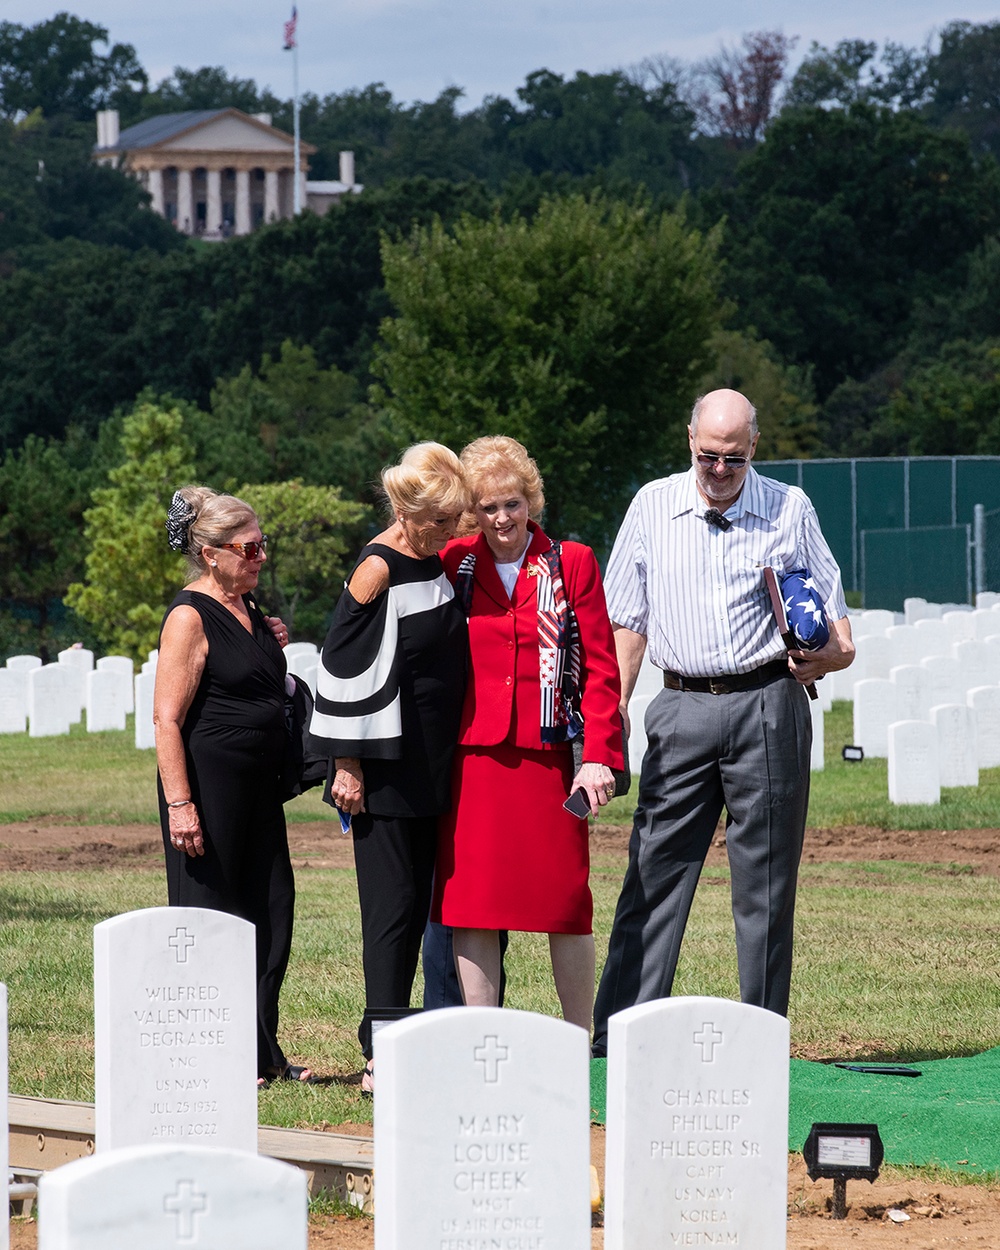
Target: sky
x=487 y=47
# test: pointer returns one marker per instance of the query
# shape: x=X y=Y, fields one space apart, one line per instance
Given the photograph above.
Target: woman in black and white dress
x=388 y=700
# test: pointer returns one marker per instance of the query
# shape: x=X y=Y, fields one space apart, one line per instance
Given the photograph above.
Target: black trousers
x=394 y=860
x=245 y=871
x=748 y=752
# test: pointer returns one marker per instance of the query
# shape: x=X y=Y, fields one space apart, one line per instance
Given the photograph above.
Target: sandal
x=290 y=1072
x=368 y=1080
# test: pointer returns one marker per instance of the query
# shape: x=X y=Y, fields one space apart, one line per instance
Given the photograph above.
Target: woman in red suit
x=509 y=855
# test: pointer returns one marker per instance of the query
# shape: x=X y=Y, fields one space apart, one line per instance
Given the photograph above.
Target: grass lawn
x=893 y=960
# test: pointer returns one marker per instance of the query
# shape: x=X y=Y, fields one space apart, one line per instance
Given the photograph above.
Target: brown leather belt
x=730 y=683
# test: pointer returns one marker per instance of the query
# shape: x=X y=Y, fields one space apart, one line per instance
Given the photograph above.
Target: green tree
x=292 y=418
x=949 y=406
x=44 y=488
x=853 y=72
x=581 y=333
x=965 y=82
x=55 y=66
x=840 y=221
x=307 y=529
x=130 y=572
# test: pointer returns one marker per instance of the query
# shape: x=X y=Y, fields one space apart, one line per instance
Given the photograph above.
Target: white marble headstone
x=914 y=776
x=637 y=740
x=985 y=702
x=956 y=729
x=13 y=701
x=496 y=1154
x=960 y=625
x=987 y=599
x=78 y=657
x=816 y=759
x=145 y=734
x=874 y=712
x=974 y=660
x=945 y=679
x=916 y=609
x=296 y=649
x=697 y=1141
x=992 y=674
x=983 y=623
x=49 y=700
x=877 y=621
x=167 y=1197
x=874 y=657
x=121 y=664
x=107 y=694
x=907 y=644
x=175 y=1029
x=24 y=663
x=913 y=691
x=74 y=676
x=935 y=639
x=842 y=683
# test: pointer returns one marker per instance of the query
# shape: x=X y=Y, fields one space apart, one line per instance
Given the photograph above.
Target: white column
x=213 y=221
x=243 y=201
x=155 y=188
x=272 y=206
x=302 y=189
x=185 y=202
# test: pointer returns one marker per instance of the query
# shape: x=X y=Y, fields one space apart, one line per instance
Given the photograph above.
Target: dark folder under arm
x=778 y=607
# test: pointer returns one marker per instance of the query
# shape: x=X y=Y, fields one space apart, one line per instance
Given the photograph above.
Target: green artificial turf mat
x=949 y=1117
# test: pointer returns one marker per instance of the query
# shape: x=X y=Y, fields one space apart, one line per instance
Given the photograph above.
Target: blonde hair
x=499 y=462
x=217 y=518
x=429 y=477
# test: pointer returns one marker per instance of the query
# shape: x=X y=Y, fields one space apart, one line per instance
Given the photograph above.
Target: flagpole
x=298 y=155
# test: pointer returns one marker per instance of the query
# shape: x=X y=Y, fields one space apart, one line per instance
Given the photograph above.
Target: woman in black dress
x=388 y=699
x=220 y=743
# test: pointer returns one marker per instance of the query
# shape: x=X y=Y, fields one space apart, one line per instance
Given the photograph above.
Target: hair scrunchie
x=180 y=514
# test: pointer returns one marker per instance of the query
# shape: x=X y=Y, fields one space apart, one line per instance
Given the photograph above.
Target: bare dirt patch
x=938 y=1214
x=47 y=846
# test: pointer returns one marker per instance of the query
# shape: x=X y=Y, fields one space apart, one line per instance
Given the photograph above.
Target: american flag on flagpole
x=290 y=30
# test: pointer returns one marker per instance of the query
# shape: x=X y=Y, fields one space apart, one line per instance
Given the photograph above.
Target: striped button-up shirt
x=696 y=592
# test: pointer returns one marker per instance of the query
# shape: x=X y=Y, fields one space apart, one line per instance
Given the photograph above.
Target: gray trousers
x=748 y=752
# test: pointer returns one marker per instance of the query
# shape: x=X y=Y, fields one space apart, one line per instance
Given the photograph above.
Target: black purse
x=302 y=767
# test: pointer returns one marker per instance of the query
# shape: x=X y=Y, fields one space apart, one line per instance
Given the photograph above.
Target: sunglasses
x=249 y=551
x=708 y=459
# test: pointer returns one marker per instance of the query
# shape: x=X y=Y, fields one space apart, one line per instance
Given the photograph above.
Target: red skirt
x=509 y=856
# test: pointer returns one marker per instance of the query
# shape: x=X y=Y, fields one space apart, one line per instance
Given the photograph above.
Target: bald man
x=731 y=728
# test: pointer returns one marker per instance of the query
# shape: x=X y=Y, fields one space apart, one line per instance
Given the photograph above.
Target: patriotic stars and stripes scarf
x=558 y=643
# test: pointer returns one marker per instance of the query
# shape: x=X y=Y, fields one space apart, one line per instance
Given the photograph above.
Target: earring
x=214 y=563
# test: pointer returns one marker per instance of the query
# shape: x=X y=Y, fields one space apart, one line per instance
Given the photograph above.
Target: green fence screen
x=932 y=563
x=931 y=497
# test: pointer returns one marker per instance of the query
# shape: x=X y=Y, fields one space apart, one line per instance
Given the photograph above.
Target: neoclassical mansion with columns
x=218 y=172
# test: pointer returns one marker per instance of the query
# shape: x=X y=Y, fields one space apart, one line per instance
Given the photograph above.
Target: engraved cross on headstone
x=491 y=1055
x=182 y=941
x=185 y=1204
x=707 y=1039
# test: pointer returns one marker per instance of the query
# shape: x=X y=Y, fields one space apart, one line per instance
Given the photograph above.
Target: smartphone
x=578 y=804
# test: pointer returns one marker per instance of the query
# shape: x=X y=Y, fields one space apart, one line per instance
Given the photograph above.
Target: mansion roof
x=225 y=129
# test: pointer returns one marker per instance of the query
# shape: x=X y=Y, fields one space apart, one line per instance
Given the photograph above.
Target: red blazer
x=502 y=699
